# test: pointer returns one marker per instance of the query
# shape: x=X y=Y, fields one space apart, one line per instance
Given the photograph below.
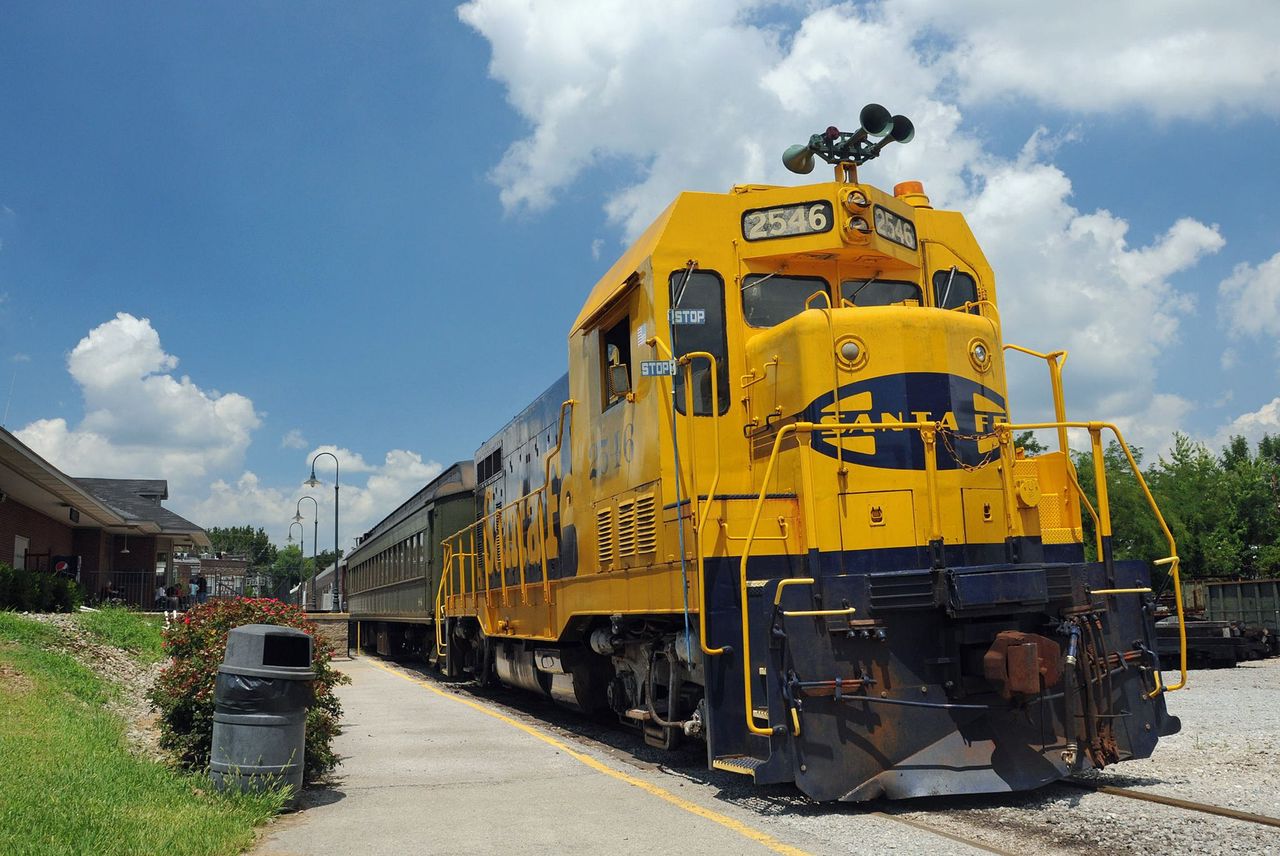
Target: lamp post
x=315 y=543
x=315 y=482
x=302 y=537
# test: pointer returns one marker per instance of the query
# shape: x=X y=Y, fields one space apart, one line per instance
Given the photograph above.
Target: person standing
x=202 y=589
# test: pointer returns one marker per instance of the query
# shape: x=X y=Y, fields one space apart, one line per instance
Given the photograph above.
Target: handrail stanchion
x=1104 y=503
x=700 y=521
x=747 y=676
x=1005 y=438
x=929 y=436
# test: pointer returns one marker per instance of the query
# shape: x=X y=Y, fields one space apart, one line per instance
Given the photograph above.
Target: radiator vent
x=1060 y=584
x=646 y=524
x=497 y=541
x=604 y=536
x=901 y=590
x=626 y=528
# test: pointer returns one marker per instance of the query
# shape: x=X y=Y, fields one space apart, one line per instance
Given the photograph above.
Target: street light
x=315 y=543
x=302 y=536
x=315 y=482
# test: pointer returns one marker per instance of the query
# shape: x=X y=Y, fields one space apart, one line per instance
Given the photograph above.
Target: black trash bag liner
x=250 y=694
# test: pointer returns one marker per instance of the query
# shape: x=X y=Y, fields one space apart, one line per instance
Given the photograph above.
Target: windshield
x=769 y=299
x=879 y=292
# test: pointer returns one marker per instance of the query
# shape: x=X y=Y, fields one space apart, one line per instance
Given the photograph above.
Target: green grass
x=123 y=628
x=68 y=785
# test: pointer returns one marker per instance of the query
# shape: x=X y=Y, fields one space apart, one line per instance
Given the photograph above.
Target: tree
x=290 y=566
x=1135 y=534
x=325 y=558
x=245 y=541
x=1027 y=442
x=1188 y=487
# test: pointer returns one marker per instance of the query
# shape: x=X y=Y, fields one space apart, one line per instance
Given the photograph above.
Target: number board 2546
x=786 y=221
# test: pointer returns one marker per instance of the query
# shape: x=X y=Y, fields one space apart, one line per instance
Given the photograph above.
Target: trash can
x=260 y=704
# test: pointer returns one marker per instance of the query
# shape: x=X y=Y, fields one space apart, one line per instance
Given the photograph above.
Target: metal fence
x=148 y=591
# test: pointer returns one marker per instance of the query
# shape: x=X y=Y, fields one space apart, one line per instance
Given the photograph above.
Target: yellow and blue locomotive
x=776 y=504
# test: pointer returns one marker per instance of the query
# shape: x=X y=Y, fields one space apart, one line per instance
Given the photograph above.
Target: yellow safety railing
x=461 y=559
x=1095 y=430
x=928 y=432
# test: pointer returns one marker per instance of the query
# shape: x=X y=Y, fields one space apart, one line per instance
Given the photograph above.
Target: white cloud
x=365 y=500
x=1252 y=425
x=608 y=82
x=1168 y=58
x=140 y=421
x=293 y=439
x=1249 y=299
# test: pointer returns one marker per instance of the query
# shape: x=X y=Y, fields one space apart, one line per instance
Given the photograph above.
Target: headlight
x=851 y=353
x=979 y=354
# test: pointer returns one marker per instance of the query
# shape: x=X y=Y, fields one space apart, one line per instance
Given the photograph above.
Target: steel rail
x=1175 y=802
x=952 y=836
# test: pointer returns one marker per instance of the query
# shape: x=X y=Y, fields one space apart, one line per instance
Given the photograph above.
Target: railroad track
x=975 y=843
x=1187 y=805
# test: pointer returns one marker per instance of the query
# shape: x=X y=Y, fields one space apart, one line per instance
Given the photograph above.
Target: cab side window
x=953 y=287
x=615 y=355
x=697 y=297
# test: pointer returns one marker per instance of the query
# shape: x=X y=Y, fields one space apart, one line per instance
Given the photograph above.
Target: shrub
x=37 y=591
x=184 y=691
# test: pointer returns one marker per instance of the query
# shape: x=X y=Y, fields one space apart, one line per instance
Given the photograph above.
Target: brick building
x=110 y=533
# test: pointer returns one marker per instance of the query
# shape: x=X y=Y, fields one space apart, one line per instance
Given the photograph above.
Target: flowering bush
x=184 y=691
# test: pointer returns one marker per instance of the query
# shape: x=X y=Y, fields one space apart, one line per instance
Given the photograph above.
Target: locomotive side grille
x=497 y=541
x=604 y=536
x=646 y=524
x=627 y=528
x=901 y=590
x=1058 y=579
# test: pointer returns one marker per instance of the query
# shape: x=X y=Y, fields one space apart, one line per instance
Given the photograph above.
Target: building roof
x=138 y=501
x=118 y=506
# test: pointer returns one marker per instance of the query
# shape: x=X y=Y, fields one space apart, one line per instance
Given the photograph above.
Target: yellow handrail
x=742 y=574
x=1104 y=513
x=928 y=432
x=700 y=521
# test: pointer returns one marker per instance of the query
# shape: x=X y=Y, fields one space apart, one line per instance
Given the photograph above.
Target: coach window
x=769 y=299
x=880 y=292
x=952 y=288
x=615 y=357
x=699 y=297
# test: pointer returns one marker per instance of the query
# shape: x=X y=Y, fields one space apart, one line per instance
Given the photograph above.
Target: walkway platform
x=427 y=770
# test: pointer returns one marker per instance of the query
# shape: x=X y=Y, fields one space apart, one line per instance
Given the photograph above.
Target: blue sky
x=235 y=234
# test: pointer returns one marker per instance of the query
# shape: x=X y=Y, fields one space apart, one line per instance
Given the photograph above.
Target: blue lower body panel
x=943 y=680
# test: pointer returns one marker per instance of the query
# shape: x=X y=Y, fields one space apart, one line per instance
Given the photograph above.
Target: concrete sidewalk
x=423 y=773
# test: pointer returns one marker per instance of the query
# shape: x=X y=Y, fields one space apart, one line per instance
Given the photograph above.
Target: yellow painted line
x=762 y=838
